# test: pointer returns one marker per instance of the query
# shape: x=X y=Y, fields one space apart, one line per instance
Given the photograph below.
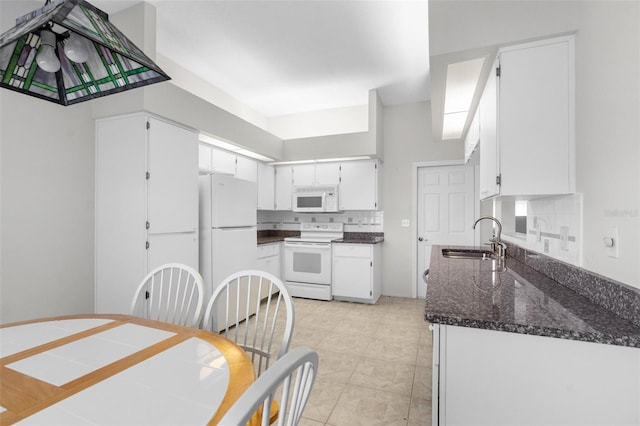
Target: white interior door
x=445 y=212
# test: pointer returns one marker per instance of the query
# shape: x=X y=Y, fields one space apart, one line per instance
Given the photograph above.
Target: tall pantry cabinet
x=146 y=203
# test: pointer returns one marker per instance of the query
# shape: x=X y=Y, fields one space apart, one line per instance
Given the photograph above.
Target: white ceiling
x=287 y=57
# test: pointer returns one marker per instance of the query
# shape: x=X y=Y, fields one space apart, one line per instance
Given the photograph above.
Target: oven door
x=307 y=262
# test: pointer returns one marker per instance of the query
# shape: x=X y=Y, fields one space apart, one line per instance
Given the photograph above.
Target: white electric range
x=307 y=260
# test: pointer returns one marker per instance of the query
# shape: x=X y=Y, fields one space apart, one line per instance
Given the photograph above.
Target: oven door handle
x=321 y=246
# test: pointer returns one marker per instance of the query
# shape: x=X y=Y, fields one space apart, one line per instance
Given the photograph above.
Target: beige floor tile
x=323 y=399
x=390 y=377
x=404 y=352
x=364 y=406
x=303 y=336
x=375 y=361
x=420 y=413
x=349 y=343
x=336 y=367
x=308 y=422
x=395 y=333
x=422 y=383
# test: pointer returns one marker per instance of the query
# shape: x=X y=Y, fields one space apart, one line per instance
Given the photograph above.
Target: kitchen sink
x=468 y=254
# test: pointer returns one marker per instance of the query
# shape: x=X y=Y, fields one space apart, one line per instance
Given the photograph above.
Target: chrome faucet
x=498 y=247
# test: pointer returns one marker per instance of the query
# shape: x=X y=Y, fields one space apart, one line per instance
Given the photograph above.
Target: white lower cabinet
x=356 y=272
x=269 y=258
x=486 y=377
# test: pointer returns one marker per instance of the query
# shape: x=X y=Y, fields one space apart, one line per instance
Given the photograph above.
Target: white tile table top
x=73 y=360
x=183 y=385
x=22 y=337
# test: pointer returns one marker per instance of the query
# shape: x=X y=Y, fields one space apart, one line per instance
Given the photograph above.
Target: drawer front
x=352 y=250
x=266 y=250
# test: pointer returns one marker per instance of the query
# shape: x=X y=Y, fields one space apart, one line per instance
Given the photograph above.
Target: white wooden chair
x=171 y=293
x=254 y=309
x=298 y=368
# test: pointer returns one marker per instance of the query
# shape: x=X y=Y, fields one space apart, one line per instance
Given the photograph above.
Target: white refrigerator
x=228 y=231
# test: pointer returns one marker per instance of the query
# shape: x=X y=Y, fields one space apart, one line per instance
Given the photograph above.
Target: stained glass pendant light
x=68 y=52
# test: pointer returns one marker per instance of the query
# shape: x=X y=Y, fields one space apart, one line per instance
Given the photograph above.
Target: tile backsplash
x=354 y=221
x=554 y=228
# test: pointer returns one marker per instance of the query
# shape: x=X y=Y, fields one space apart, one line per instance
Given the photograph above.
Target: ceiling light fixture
x=210 y=140
x=462 y=79
x=98 y=59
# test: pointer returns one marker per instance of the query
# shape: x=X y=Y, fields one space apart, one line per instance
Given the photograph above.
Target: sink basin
x=468 y=254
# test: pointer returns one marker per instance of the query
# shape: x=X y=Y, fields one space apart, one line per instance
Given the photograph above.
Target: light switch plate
x=612 y=234
x=405 y=223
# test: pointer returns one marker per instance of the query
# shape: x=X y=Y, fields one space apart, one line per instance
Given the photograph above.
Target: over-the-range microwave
x=315 y=199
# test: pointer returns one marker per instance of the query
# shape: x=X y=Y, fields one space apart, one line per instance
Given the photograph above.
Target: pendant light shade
x=68 y=52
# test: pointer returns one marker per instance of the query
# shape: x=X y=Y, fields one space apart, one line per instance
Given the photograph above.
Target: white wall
x=607 y=102
x=608 y=134
x=407 y=140
x=47 y=177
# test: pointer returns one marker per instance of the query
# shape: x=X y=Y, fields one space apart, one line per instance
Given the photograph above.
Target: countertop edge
x=581 y=336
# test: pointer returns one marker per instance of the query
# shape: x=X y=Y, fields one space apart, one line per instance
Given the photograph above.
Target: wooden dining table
x=117 y=370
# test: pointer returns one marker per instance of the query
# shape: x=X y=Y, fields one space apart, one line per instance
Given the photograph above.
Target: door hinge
x=375 y=205
x=375 y=165
x=146 y=245
x=499 y=180
x=339 y=180
x=148 y=175
x=498 y=71
x=370 y=293
x=147 y=225
x=148 y=125
x=147 y=295
x=371 y=264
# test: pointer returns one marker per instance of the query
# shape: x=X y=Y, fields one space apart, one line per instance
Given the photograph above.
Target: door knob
x=420 y=239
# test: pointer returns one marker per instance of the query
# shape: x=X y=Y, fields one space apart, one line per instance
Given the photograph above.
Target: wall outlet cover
x=611 y=241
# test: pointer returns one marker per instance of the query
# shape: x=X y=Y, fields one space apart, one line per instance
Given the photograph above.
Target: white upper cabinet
x=283 y=184
x=266 y=187
x=488 y=117
x=327 y=173
x=534 y=118
x=205 y=158
x=246 y=168
x=359 y=189
x=224 y=162
x=316 y=174
x=171 y=192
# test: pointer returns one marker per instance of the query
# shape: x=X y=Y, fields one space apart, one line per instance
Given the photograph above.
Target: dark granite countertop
x=275 y=236
x=361 y=238
x=509 y=296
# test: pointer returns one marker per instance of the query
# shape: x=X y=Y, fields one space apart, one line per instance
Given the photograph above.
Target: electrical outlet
x=611 y=241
